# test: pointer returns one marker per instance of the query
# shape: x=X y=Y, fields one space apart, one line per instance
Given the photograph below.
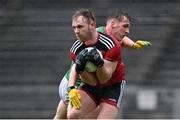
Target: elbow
x=105 y=79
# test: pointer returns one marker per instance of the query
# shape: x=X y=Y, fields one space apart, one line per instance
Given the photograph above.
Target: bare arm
x=127 y=42
x=139 y=44
x=105 y=72
x=89 y=78
x=73 y=76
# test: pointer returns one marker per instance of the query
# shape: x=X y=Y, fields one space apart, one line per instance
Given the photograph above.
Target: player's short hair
x=118 y=15
x=86 y=13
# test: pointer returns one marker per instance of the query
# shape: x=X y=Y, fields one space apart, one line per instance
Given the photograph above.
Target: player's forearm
x=73 y=76
x=89 y=78
x=105 y=72
x=127 y=42
x=103 y=75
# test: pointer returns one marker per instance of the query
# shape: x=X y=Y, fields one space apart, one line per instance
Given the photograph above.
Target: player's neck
x=108 y=30
x=93 y=39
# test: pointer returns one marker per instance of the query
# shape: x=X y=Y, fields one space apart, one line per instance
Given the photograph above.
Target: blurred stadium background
x=35 y=36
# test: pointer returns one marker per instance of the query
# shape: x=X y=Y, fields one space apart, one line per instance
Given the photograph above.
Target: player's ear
x=113 y=23
x=93 y=24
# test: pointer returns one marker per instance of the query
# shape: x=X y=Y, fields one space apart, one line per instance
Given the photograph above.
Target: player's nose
x=127 y=31
x=76 y=31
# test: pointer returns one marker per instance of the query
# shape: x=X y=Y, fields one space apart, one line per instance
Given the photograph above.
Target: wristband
x=70 y=88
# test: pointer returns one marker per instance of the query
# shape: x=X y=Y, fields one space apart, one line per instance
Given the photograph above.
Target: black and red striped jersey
x=110 y=49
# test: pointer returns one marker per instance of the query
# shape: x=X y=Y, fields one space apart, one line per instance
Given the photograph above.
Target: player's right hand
x=74 y=98
x=81 y=60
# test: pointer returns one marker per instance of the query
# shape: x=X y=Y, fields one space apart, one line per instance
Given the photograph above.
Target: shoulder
x=77 y=45
x=100 y=29
x=107 y=40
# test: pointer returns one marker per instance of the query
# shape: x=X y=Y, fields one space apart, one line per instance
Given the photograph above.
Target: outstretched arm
x=139 y=44
x=127 y=42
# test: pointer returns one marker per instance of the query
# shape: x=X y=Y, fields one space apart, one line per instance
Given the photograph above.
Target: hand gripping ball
x=90 y=67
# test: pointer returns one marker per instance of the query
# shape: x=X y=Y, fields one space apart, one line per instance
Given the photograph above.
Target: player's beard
x=86 y=36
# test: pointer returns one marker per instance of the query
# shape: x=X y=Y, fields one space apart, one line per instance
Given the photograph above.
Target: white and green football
x=90 y=67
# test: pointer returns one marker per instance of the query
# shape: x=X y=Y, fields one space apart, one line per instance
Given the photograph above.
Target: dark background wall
x=35 y=37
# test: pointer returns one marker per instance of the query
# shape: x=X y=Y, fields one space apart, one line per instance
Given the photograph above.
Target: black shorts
x=111 y=94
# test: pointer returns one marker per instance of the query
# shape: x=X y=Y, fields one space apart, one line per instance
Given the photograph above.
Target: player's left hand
x=95 y=57
x=74 y=98
x=140 y=44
